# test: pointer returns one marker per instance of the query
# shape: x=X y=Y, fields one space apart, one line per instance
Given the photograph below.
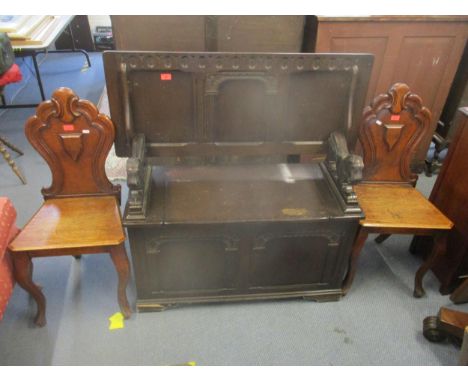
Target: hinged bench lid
x=221 y=104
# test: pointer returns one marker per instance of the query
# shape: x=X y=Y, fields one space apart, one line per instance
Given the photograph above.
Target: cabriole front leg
x=23 y=275
x=439 y=248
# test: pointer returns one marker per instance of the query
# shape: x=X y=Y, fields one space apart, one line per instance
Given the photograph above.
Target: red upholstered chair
x=8 y=231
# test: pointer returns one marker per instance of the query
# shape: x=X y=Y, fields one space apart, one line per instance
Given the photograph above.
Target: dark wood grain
x=450 y=195
x=226 y=105
x=230 y=219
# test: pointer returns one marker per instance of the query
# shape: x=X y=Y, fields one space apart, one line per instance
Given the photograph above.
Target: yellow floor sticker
x=116 y=321
x=190 y=363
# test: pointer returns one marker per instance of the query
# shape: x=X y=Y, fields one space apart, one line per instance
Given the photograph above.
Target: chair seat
x=398 y=206
x=72 y=223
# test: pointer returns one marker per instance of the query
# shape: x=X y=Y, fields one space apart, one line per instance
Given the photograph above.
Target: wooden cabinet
x=211 y=33
x=423 y=52
x=82 y=35
x=450 y=195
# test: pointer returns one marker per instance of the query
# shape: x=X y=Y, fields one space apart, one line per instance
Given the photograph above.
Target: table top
x=59 y=24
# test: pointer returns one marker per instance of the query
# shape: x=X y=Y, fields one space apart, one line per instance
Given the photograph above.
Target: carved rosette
x=73 y=138
x=234 y=62
x=393 y=127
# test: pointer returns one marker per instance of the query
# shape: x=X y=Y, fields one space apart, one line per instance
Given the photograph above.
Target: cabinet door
x=312 y=257
x=376 y=45
x=81 y=33
x=183 y=263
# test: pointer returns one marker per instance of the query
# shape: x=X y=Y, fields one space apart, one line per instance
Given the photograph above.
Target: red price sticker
x=166 y=76
x=395 y=117
x=68 y=127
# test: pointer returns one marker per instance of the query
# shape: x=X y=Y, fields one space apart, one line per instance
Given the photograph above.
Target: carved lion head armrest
x=138 y=179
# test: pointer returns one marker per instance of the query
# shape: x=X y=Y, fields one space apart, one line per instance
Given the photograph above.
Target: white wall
x=98 y=20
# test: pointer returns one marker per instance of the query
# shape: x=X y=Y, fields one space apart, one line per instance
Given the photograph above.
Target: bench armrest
x=138 y=179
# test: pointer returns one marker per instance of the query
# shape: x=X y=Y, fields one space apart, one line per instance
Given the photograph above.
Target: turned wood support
x=10 y=145
x=6 y=155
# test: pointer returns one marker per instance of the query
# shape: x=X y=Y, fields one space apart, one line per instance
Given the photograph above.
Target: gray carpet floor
x=377 y=323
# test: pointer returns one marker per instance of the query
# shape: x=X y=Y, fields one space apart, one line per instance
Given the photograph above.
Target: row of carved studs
x=236 y=63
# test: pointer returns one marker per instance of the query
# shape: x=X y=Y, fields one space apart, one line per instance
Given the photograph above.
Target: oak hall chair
x=390 y=133
x=80 y=214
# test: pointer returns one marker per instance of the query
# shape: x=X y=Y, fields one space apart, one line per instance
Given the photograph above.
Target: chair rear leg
x=381 y=238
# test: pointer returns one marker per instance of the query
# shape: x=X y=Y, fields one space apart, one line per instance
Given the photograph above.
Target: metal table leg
x=38 y=75
x=33 y=54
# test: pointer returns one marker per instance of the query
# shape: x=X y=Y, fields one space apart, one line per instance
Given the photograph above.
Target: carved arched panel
x=392 y=128
x=74 y=139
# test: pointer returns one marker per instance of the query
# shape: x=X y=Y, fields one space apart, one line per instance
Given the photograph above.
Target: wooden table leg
x=439 y=248
x=361 y=238
x=381 y=238
x=120 y=260
x=23 y=275
x=463 y=360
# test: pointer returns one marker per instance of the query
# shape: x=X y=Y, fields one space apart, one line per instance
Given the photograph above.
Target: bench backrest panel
x=234 y=104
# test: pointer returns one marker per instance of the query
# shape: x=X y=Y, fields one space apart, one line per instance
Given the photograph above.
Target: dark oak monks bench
x=216 y=210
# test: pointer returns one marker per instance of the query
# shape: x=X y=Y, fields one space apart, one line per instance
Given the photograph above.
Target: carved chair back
x=391 y=131
x=74 y=139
